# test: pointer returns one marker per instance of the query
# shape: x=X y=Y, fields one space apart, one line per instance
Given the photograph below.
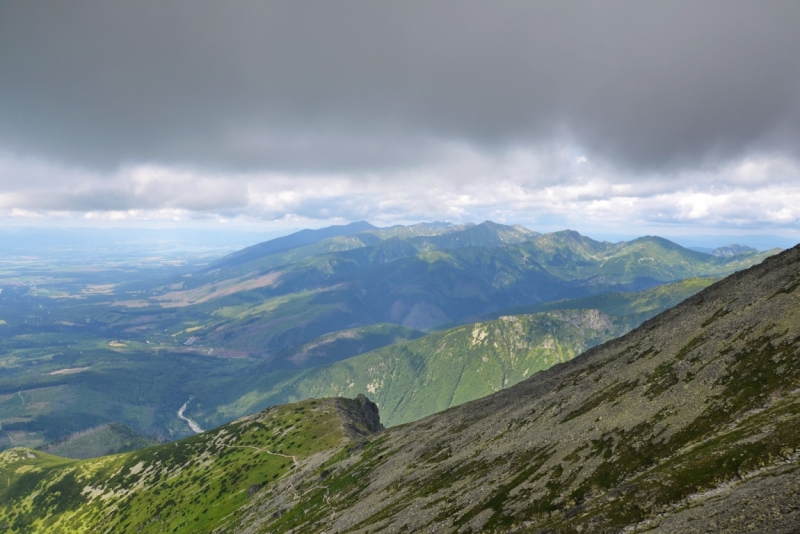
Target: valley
x=282 y=321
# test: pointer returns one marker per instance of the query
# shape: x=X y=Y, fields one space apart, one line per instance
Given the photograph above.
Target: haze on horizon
x=620 y=117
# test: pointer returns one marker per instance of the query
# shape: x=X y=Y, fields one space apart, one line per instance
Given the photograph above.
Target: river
x=192 y=423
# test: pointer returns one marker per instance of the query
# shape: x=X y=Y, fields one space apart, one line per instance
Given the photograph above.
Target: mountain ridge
x=281 y=244
x=413 y=379
x=699 y=405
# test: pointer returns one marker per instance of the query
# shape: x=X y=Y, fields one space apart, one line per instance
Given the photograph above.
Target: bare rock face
x=689 y=423
x=360 y=417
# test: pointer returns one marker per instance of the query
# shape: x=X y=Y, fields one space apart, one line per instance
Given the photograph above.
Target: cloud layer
x=547 y=189
x=683 y=112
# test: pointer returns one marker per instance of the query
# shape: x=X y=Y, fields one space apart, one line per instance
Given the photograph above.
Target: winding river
x=192 y=423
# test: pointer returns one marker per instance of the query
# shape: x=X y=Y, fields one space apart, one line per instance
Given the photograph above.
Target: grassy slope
x=297 y=239
x=637 y=305
x=344 y=344
x=325 y=246
x=100 y=441
x=413 y=379
x=193 y=485
x=420 y=229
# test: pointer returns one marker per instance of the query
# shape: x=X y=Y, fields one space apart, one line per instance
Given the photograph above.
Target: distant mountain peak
x=569 y=234
x=295 y=240
x=657 y=239
x=732 y=250
x=437 y=224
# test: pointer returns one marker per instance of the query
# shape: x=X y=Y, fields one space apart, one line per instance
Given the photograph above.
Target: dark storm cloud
x=345 y=85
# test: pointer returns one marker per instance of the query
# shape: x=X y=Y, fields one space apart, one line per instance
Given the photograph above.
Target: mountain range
x=688 y=423
x=268 y=298
x=83 y=350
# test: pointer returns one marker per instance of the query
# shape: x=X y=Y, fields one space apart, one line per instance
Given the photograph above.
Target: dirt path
x=294 y=458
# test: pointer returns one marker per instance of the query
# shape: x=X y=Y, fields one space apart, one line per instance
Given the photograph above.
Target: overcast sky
x=634 y=117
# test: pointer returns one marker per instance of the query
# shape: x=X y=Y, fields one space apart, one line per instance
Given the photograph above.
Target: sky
x=668 y=118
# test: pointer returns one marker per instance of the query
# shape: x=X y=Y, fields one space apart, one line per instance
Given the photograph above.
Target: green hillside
x=635 y=307
x=193 y=485
x=293 y=255
x=420 y=229
x=295 y=240
x=107 y=439
x=341 y=345
x=413 y=379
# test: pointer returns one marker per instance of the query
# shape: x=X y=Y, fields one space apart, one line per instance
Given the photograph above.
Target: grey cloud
x=129 y=189
x=105 y=198
x=327 y=86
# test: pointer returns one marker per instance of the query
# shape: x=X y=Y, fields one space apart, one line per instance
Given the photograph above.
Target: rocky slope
x=689 y=423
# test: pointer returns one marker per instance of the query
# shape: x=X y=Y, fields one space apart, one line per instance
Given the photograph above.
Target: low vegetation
x=193 y=485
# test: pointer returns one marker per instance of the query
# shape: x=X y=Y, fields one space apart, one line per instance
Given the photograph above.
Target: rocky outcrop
x=360 y=416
